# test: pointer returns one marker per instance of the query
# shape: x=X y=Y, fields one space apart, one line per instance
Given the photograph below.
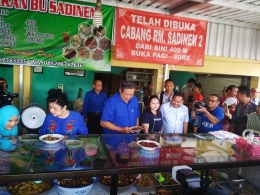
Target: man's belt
x=95 y=113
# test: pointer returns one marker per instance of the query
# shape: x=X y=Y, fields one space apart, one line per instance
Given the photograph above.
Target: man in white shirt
x=175 y=115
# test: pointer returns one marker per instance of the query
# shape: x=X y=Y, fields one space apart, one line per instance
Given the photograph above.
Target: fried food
x=29 y=187
x=50 y=138
x=75 y=183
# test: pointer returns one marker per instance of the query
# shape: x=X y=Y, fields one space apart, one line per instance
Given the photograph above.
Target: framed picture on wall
x=38 y=69
x=74 y=72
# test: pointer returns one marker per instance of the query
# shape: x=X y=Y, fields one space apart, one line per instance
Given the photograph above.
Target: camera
x=198 y=105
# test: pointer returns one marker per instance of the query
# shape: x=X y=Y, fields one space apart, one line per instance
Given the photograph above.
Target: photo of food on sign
x=90 y=41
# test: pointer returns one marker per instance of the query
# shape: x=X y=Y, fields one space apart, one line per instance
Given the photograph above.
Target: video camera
x=6 y=98
x=197 y=105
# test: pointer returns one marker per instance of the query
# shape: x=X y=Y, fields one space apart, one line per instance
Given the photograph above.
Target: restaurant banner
x=64 y=33
x=156 y=38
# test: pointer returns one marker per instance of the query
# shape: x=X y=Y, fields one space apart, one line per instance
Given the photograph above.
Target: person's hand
x=127 y=130
x=202 y=109
x=227 y=113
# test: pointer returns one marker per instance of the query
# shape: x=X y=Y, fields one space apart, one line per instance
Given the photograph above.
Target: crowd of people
x=167 y=112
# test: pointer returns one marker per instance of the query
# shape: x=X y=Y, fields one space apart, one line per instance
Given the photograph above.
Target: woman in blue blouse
x=60 y=120
x=152 y=118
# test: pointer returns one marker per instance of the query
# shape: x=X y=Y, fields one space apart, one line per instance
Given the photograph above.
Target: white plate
x=149 y=141
x=60 y=137
x=136 y=129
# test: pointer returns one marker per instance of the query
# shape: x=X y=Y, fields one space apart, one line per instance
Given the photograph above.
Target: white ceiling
x=244 y=13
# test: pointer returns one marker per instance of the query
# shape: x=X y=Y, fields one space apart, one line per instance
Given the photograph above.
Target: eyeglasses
x=212 y=100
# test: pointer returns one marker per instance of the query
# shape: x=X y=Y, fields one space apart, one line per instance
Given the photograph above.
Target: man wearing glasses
x=211 y=116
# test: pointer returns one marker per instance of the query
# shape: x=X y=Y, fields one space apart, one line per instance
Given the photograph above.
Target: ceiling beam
x=219 y=20
x=236 y=5
x=184 y=7
x=130 y=6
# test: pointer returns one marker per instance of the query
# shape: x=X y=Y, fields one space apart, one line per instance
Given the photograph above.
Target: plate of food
x=51 y=138
x=73 y=143
x=148 y=144
x=136 y=129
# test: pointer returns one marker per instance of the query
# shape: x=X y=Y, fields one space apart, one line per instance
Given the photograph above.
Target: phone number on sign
x=13 y=61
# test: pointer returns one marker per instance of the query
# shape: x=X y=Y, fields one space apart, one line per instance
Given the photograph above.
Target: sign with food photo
x=158 y=38
x=64 y=33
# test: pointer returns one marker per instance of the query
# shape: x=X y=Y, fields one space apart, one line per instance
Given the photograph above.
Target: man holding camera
x=211 y=116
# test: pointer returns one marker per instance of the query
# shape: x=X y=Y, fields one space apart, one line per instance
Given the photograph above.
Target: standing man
x=175 y=115
x=166 y=96
x=243 y=108
x=254 y=95
x=212 y=116
x=185 y=90
x=121 y=111
x=231 y=92
x=92 y=109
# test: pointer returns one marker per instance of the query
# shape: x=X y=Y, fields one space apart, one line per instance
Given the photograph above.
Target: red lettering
x=17 y=4
x=52 y=7
x=39 y=5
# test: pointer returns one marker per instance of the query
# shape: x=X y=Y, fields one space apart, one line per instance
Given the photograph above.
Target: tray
x=253 y=150
x=148 y=188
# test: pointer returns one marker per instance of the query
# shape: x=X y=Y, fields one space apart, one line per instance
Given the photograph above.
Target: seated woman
x=152 y=119
x=9 y=118
x=60 y=120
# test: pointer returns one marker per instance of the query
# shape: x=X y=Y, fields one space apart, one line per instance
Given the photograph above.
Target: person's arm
x=185 y=97
x=85 y=107
x=185 y=127
x=146 y=127
x=211 y=118
x=137 y=122
x=83 y=130
x=111 y=126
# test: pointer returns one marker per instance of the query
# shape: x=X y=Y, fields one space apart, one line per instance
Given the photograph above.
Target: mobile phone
x=225 y=107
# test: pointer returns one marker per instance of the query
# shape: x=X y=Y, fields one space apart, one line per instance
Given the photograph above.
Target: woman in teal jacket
x=9 y=118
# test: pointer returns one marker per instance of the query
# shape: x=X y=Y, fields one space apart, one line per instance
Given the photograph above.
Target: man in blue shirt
x=121 y=111
x=212 y=116
x=93 y=106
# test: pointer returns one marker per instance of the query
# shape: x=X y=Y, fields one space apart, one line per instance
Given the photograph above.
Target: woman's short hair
x=59 y=98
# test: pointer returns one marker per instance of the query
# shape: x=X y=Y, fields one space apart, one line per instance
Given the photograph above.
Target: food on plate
x=146 y=179
x=91 y=43
x=29 y=187
x=123 y=180
x=50 y=138
x=98 y=55
x=69 y=52
x=76 y=41
x=85 y=29
x=135 y=128
x=83 y=53
x=75 y=183
x=148 y=144
x=72 y=142
x=99 y=31
x=104 y=44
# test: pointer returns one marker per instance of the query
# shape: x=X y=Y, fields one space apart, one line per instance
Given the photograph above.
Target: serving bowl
x=148 y=144
x=51 y=138
x=69 y=189
x=73 y=143
x=124 y=182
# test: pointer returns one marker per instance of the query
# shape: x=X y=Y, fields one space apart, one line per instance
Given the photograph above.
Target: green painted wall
x=51 y=77
x=180 y=78
x=6 y=72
